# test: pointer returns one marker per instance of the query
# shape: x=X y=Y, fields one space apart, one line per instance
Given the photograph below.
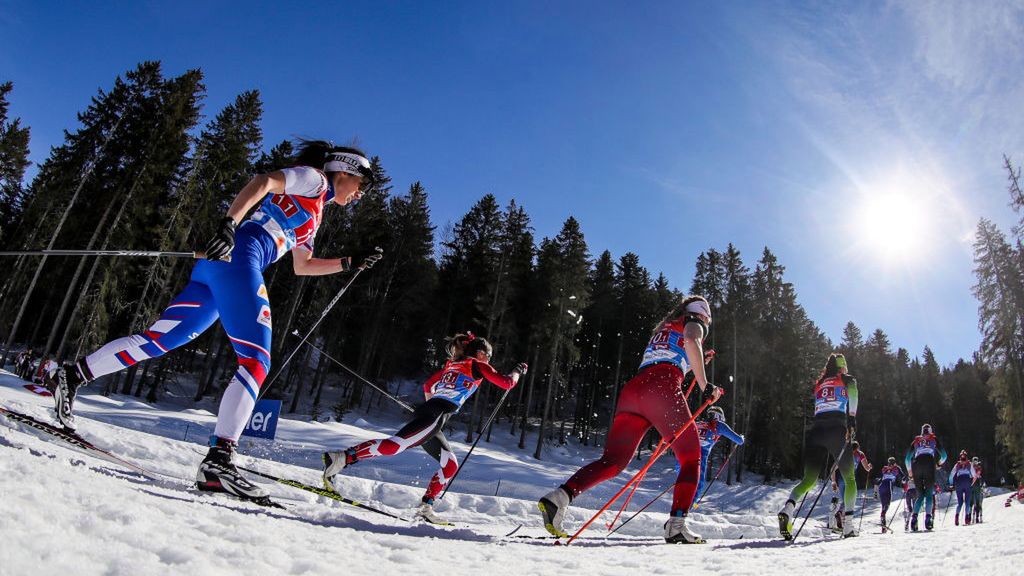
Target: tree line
x=140 y=172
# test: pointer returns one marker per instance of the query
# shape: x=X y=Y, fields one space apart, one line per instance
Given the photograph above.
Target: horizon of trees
x=141 y=172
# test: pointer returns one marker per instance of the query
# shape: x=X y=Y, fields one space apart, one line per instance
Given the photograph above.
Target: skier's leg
x=623 y=438
x=188 y=315
x=705 y=455
x=438 y=447
x=426 y=421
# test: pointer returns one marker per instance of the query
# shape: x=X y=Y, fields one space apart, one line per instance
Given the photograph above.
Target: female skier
x=654 y=397
x=962 y=478
x=710 y=429
x=837 y=508
x=229 y=285
x=834 y=426
x=446 y=391
x=978 y=490
x=923 y=457
x=892 y=476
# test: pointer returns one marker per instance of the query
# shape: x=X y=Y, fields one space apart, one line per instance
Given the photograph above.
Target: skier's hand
x=520 y=369
x=219 y=247
x=372 y=259
x=711 y=392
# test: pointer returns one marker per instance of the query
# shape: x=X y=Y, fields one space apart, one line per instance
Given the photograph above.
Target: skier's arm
x=942 y=456
x=693 y=334
x=253 y=192
x=852 y=395
x=487 y=372
x=428 y=386
x=305 y=265
x=731 y=434
x=951 y=473
x=906 y=462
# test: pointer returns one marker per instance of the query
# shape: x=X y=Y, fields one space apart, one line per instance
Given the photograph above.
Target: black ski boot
x=218 y=474
x=70 y=378
x=913 y=522
x=928 y=523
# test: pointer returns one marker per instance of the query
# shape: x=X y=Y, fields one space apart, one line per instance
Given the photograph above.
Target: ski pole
x=660 y=446
x=673 y=485
x=831 y=473
x=144 y=253
x=359 y=270
x=895 y=514
x=643 y=471
x=719 y=473
x=353 y=372
x=946 y=511
x=471 y=448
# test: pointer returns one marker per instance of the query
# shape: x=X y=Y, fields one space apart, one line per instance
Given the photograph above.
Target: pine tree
x=14 y=160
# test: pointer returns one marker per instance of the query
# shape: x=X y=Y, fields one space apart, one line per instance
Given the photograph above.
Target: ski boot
x=956 y=519
x=849 y=528
x=786 y=520
x=928 y=522
x=835 y=517
x=552 y=508
x=334 y=463
x=913 y=522
x=70 y=378
x=426 y=513
x=977 y=516
x=218 y=474
x=676 y=531
x=967 y=519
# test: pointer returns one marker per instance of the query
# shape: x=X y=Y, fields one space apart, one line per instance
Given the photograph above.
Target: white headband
x=699 y=307
x=347 y=163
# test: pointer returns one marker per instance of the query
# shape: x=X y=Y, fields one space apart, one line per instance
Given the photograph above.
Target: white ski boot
x=786 y=520
x=849 y=530
x=676 y=532
x=426 y=513
x=552 y=508
x=334 y=463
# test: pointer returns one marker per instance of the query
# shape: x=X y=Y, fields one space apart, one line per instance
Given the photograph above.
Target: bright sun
x=893 y=223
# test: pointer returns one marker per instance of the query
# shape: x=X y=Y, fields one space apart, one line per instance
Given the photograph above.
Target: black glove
x=219 y=247
x=707 y=393
x=370 y=260
x=521 y=368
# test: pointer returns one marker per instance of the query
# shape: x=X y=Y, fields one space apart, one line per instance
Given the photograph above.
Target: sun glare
x=894 y=224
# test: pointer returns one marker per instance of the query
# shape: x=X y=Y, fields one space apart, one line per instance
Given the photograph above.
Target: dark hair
x=831 y=368
x=313 y=153
x=680 y=310
x=467 y=345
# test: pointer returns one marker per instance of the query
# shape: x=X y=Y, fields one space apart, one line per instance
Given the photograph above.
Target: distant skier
x=833 y=427
x=977 y=490
x=962 y=477
x=892 y=476
x=923 y=457
x=837 y=508
x=710 y=428
x=654 y=397
x=909 y=496
x=229 y=285
x=446 y=391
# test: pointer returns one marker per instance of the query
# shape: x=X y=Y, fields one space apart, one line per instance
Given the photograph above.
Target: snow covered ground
x=69 y=513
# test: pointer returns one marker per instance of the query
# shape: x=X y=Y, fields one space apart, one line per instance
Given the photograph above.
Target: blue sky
x=860 y=141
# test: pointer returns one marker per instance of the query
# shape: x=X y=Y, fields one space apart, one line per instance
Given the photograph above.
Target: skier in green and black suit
x=833 y=427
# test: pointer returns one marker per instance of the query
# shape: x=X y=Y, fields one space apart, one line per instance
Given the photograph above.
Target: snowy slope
x=68 y=513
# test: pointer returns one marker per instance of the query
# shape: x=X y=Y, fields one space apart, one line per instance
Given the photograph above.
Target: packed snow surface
x=66 y=512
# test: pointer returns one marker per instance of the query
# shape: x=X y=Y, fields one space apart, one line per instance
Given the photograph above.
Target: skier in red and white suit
x=654 y=397
x=446 y=391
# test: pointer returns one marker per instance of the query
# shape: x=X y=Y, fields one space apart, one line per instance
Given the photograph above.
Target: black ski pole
x=359 y=270
x=888 y=523
x=144 y=253
x=831 y=473
x=719 y=473
x=353 y=372
x=946 y=511
x=471 y=448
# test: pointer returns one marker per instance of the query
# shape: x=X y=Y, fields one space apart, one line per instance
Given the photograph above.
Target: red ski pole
x=661 y=442
x=643 y=471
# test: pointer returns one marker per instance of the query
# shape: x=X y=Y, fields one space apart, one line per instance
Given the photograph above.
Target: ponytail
x=462 y=346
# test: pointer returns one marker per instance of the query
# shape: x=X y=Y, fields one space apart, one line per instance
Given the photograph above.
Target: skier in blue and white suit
x=229 y=286
x=710 y=429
